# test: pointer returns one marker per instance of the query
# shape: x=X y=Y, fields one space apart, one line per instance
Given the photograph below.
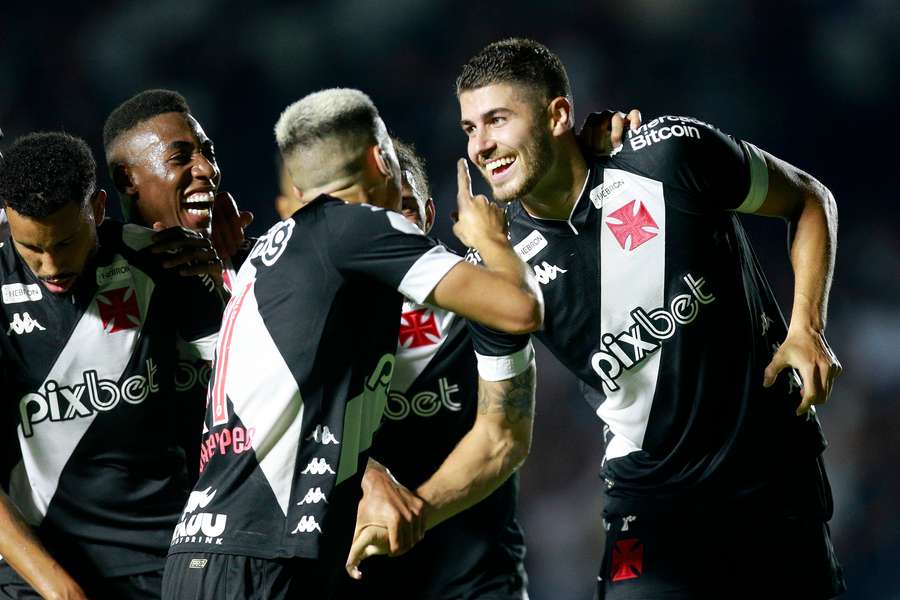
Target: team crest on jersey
x=119 y=309
x=271 y=246
x=419 y=328
x=632 y=225
x=627 y=560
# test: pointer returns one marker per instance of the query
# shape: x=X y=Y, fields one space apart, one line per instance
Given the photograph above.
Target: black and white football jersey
x=89 y=396
x=300 y=380
x=432 y=404
x=656 y=302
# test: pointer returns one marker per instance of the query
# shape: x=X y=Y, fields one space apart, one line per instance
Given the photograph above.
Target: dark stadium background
x=812 y=82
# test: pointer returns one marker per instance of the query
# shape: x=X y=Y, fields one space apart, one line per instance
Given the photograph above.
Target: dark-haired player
x=166 y=174
x=305 y=358
x=91 y=325
x=715 y=485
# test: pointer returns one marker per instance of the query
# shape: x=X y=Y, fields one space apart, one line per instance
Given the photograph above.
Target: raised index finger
x=463 y=180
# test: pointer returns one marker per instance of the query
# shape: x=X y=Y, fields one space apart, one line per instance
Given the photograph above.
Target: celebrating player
x=656 y=302
x=306 y=357
x=439 y=405
x=90 y=327
x=165 y=170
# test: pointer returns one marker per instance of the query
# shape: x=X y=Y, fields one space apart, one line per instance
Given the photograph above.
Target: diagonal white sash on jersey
x=628 y=279
x=275 y=410
x=45 y=453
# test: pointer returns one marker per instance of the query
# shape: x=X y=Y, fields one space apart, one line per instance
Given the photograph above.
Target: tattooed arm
x=497 y=445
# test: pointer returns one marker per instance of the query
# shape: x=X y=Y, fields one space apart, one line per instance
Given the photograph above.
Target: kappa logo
x=545 y=272
x=313 y=496
x=271 y=246
x=632 y=225
x=322 y=435
x=13 y=293
x=197 y=500
x=119 y=309
x=307 y=524
x=23 y=324
x=419 y=328
x=627 y=520
x=317 y=466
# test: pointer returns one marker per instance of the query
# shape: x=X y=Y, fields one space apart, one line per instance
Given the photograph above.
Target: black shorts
x=697 y=555
x=209 y=576
x=141 y=586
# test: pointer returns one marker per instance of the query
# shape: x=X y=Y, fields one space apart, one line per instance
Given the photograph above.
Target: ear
x=382 y=161
x=123 y=179
x=98 y=206
x=562 y=118
x=429 y=214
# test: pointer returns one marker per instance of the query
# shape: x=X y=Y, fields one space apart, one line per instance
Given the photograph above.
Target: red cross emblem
x=627 y=560
x=418 y=328
x=633 y=222
x=119 y=309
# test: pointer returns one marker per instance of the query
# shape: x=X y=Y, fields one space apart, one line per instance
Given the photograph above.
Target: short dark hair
x=516 y=60
x=43 y=172
x=411 y=162
x=139 y=108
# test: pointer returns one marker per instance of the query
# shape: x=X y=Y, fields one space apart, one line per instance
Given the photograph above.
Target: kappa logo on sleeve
x=307 y=524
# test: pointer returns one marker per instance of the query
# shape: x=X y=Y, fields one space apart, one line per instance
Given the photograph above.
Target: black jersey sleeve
x=715 y=170
x=199 y=305
x=382 y=244
x=500 y=355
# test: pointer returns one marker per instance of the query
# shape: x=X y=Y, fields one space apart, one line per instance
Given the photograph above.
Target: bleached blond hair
x=324 y=136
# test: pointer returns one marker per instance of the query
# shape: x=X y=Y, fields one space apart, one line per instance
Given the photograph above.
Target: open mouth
x=499 y=166
x=58 y=285
x=198 y=204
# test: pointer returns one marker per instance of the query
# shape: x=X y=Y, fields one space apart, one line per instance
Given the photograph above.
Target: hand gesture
x=189 y=252
x=228 y=225
x=603 y=132
x=389 y=520
x=478 y=218
x=807 y=351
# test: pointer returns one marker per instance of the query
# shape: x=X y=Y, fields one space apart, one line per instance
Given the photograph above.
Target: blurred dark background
x=814 y=83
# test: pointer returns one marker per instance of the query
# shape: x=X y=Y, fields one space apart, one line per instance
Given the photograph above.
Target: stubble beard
x=536 y=158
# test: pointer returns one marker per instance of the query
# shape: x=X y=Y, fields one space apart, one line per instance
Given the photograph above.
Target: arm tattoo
x=514 y=396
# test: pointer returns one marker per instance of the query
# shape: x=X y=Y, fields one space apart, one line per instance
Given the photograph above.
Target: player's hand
x=477 y=219
x=228 y=224
x=371 y=540
x=59 y=585
x=387 y=503
x=603 y=132
x=188 y=251
x=807 y=351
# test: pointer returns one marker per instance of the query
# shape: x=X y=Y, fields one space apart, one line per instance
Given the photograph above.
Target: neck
x=349 y=189
x=557 y=192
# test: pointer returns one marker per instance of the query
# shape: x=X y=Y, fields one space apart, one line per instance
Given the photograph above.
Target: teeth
x=500 y=162
x=200 y=212
x=199 y=198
